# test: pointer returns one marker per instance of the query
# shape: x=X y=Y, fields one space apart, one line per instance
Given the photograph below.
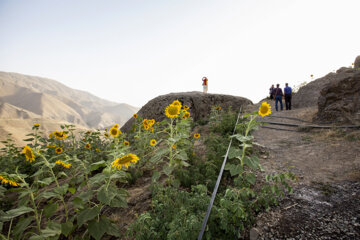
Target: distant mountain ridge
x=25 y=97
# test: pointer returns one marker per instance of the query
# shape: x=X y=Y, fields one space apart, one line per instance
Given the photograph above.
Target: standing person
x=205 y=84
x=278 y=97
x=271 y=92
x=287 y=92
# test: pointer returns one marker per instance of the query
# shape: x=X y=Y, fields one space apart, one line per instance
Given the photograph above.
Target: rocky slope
x=336 y=96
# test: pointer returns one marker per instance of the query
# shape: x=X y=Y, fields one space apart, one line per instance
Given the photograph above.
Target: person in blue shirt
x=287 y=92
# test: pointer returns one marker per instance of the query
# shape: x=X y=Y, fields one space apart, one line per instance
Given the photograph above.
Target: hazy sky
x=132 y=51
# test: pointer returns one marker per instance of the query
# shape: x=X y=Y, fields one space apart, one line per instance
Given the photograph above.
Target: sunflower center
x=28 y=153
x=125 y=159
x=173 y=110
x=264 y=109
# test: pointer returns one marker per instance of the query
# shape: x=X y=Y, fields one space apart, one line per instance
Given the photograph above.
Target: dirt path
x=326 y=199
x=315 y=155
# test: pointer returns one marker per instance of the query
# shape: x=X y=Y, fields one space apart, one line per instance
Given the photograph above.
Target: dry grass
x=336 y=135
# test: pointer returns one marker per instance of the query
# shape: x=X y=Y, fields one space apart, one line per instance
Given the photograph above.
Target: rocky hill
x=34 y=99
x=339 y=100
x=334 y=96
x=200 y=105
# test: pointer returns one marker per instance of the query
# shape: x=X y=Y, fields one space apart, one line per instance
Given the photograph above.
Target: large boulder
x=339 y=100
x=357 y=62
x=200 y=105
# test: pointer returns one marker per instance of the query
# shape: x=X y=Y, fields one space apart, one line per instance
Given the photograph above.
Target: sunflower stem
x=8 y=236
x=32 y=198
x=35 y=137
x=57 y=184
x=170 y=145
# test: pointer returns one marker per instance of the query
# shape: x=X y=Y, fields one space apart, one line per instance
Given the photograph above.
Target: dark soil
x=319 y=211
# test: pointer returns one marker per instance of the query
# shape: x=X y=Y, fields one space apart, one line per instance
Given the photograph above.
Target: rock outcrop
x=308 y=95
x=200 y=105
x=357 y=62
x=339 y=100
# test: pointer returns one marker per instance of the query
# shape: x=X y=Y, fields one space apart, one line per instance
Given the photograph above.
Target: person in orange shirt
x=205 y=84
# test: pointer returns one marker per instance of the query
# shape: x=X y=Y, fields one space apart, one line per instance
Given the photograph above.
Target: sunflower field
x=63 y=184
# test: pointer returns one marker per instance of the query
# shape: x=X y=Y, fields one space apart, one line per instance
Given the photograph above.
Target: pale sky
x=133 y=51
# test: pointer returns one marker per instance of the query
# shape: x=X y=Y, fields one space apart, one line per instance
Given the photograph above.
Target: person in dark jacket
x=287 y=92
x=278 y=97
x=271 y=91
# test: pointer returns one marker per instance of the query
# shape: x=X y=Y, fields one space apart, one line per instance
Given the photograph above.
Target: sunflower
x=264 y=109
x=50 y=146
x=126 y=143
x=5 y=180
x=36 y=125
x=98 y=150
x=151 y=122
x=87 y=146
x=173 y=146
x=30 y=157
x=135 y=115
x=177 y=103
x=218 y=108
x=14 y=184
x=186 y=115
x=186 y=107
x=172 y=111
x=51 y=135
x=115 y=125
x=114 y=132
x=146 y=127
x=125 y=161
x=196 y=135
x=58 y=150
x=60 y=135
x=106 y=135
x=66 y=165
x=152 y=142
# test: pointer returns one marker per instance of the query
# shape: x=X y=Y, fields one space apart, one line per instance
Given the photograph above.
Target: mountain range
x=25 y=100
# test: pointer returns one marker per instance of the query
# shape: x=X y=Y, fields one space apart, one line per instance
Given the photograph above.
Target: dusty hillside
x=25 y=100
x=52 y=100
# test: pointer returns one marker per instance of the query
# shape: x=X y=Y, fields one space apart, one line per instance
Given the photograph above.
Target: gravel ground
x=319 y=211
